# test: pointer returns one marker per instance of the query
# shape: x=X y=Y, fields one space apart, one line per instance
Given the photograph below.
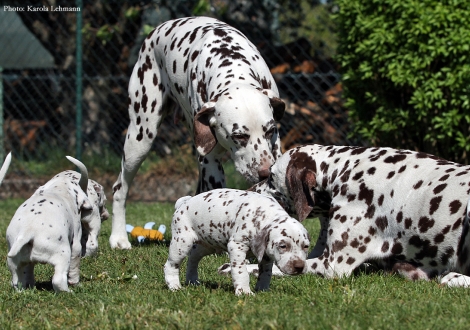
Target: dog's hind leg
x=22 y=275
x=178 y=250
x=61 y=263
x=74 y=270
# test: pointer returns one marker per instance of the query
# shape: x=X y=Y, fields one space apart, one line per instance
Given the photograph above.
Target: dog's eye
x=306 y=246
x=240 y=137
x=282 y=246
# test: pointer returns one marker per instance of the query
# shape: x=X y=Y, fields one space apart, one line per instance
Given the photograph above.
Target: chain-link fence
x=39 y=57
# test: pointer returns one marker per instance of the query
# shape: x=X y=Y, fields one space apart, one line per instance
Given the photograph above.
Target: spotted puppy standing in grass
x=51 y=226
x=239 y=222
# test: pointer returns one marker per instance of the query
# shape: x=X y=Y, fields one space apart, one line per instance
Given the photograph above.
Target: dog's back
x=218 y=214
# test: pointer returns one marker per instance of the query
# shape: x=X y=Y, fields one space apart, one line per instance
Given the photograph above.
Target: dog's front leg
x=322 y=238
x=240 y=277
x=265 y=273
x=135 y=151
x=336 y=264
x=211 y=172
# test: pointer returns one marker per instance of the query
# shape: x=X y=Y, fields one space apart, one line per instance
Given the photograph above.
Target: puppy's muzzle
x=298 y=267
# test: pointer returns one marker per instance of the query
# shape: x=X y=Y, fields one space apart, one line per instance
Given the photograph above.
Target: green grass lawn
x=108 y=297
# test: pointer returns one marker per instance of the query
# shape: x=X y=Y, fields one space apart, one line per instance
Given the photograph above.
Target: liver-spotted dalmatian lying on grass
x=406 y=210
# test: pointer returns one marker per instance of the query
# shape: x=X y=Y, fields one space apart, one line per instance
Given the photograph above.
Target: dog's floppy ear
x=260 y=243
x=278 y=108
x=300 y=183
x=104 y=214
x=278 y=105
x=204 y=137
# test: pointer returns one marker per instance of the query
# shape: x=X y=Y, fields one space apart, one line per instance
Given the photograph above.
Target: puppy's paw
x=73 y=282
x=174 y=286
x=243 y=291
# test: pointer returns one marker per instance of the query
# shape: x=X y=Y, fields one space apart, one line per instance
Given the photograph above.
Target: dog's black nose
x=299 y=266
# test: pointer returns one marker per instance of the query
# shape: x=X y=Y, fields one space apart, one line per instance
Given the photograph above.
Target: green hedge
x=406 y=71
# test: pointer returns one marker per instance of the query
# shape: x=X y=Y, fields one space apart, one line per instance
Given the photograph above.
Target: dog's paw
x=243 y=291
x=73 y=282
x=455 y=280
x=193 y=282
x=174 y=286
x=120 y=243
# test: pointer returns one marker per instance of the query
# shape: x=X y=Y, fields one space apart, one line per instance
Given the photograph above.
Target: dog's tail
x=83 y=183
x=18 y=245
x=5 y=166
x=181 y=201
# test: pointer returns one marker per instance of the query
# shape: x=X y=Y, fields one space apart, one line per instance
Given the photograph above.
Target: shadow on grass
x=44 y=286
x=149 y=243
x=212 y=285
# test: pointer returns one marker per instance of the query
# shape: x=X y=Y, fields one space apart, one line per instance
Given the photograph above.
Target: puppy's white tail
x=18 y=245
x=5 y=166
x=181 y=201
x=84 y=178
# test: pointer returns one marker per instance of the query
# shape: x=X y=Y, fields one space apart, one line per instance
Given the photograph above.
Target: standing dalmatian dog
x=405 y=209
x=225 y=93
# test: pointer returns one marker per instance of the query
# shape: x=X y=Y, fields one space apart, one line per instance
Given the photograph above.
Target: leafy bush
x=406 y=70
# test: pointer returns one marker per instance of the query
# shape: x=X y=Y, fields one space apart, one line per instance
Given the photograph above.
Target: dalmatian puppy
x=405 y=209
x=5 y=166
x=239 y=222
x=47 y=228
x=224 y=93
x=91 y=229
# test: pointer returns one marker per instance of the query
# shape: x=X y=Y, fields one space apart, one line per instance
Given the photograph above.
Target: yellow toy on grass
x=146 y=233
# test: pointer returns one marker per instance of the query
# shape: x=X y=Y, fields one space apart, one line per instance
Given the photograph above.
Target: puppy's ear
x=104 y=214
x=300 y=182
x=260 y=243
x=204 y=137
x=100 y=192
